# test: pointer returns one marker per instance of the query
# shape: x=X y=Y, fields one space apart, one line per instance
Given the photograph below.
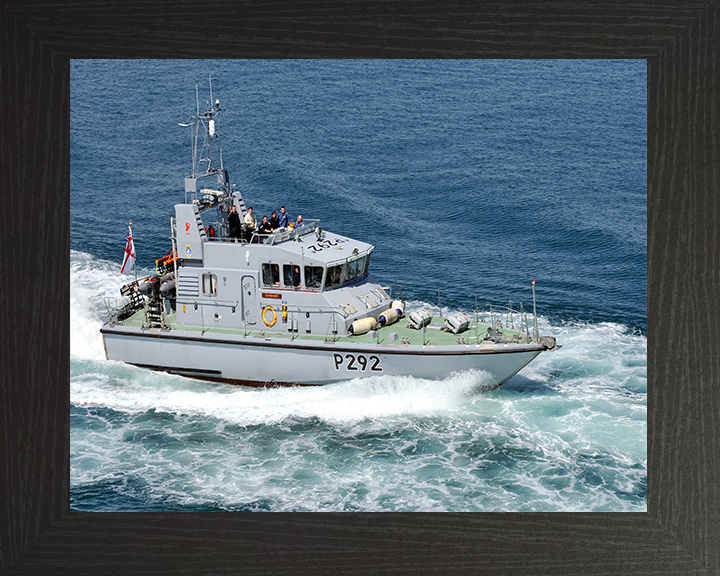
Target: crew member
x=274 y=222
x=234 y=223
x=283 y=218
x=250 y=222
x=265 y=227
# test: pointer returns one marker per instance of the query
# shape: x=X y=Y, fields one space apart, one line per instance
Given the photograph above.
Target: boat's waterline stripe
x=216 y=376
x=329 y=346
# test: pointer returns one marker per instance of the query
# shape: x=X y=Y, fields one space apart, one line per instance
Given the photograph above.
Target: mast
x=206 y=136
x=193 y=141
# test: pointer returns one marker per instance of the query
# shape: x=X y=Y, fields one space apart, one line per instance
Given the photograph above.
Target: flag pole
x=133 y=241
x=534 y=311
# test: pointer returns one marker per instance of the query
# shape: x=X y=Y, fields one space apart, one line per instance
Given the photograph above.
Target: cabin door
x=249 y=299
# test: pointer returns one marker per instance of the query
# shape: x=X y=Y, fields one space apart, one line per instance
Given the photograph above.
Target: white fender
x=363 y=325
x=388 y=317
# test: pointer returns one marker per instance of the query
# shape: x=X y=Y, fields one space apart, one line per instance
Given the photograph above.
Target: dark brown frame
x=680 y=532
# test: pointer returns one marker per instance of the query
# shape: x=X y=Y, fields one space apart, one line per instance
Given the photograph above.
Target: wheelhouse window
x=367 y=263
x=334 y=276
x=271 y=274
x=349 y=272
x=209 y=284
x=291 y=275
x=355 y=268
x=313 y=277
x=341 y=273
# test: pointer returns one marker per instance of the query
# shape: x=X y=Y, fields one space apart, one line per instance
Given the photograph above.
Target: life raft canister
x=267 y=309
x=419 y=319
x=457 y=323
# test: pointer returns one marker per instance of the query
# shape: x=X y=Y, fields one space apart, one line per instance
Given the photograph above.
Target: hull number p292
x=357 y=362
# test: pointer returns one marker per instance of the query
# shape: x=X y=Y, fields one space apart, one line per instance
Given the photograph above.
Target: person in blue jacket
x=283 y=218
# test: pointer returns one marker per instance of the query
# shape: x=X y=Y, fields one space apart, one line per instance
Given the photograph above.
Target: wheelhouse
x=316 y=276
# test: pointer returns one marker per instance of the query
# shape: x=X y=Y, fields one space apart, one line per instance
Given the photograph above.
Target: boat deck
x=434 y=335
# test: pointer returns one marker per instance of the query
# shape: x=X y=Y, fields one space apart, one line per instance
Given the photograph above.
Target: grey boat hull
x=265 y=361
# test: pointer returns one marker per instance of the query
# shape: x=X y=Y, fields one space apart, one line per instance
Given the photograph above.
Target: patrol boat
x=297 y=306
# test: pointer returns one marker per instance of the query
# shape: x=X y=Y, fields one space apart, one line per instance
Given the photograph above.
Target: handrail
x=335 y=337
x=284 y=234
x=114 y=308
x=320 y=310
x=275 y=237
x=292 y=319
x=210 y=301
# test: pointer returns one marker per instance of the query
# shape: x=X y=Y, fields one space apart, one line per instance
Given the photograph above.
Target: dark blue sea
x=471 y=178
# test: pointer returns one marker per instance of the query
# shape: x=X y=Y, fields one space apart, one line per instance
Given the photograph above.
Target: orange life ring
x=274 y=318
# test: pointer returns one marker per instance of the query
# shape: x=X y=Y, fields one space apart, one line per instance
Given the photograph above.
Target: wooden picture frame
x=680 y=531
